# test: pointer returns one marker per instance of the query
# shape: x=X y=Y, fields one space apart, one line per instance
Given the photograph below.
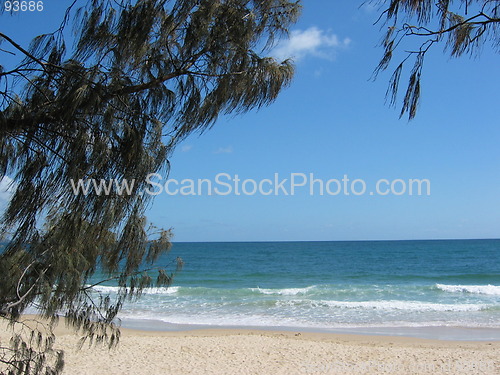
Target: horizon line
x=369 y=240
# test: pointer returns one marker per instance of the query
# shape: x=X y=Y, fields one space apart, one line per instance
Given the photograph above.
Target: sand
x=222 y=352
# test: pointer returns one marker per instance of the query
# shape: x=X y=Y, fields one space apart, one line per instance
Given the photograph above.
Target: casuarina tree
x=138 y=77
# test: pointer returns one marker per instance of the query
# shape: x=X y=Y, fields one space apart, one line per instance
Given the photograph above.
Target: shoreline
x=441 y=333
x=299 y=334
x=195 y=330
x=255 y=351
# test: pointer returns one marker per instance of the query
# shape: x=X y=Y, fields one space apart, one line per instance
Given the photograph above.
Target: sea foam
x=114 y=289
x=475 y=289
x=413 y=306
x=285 y=291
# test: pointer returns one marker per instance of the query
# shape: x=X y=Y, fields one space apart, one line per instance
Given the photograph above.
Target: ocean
x=448 y=289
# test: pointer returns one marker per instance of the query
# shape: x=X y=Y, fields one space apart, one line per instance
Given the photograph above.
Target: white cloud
x=186 y=148
x=313 y=41
x=224 y=150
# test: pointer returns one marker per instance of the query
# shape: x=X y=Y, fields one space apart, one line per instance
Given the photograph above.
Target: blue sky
x=332 y=121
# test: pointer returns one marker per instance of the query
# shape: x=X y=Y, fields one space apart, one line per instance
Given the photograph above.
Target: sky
x=332 y=122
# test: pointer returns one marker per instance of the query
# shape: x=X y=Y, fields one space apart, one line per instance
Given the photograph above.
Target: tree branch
x=18 y=47
x=451 y=28
x=23 y=297
x=147 y=85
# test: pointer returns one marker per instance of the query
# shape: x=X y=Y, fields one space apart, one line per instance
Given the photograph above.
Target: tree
x=463 y=27
x=142 y=76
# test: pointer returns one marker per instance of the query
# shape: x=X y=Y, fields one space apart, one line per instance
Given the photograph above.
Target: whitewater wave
x=285 y=291
x=309 y=291
x=387 y=305
x=492 y=290
x=114 y=289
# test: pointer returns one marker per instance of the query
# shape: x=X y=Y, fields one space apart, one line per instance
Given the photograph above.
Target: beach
x=261 y=352
x=238 y=351
x=402 y=307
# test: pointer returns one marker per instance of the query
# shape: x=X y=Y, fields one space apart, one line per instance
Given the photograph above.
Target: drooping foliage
x=141 y=76
x=463 y=27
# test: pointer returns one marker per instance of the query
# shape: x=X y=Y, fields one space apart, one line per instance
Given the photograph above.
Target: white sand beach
x=227 y=351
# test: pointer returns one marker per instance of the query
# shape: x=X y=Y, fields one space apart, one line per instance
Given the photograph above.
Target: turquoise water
x=327 y=286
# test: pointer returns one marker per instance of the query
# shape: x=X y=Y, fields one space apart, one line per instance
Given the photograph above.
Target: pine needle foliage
x=141 y=76
x=463 y=27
